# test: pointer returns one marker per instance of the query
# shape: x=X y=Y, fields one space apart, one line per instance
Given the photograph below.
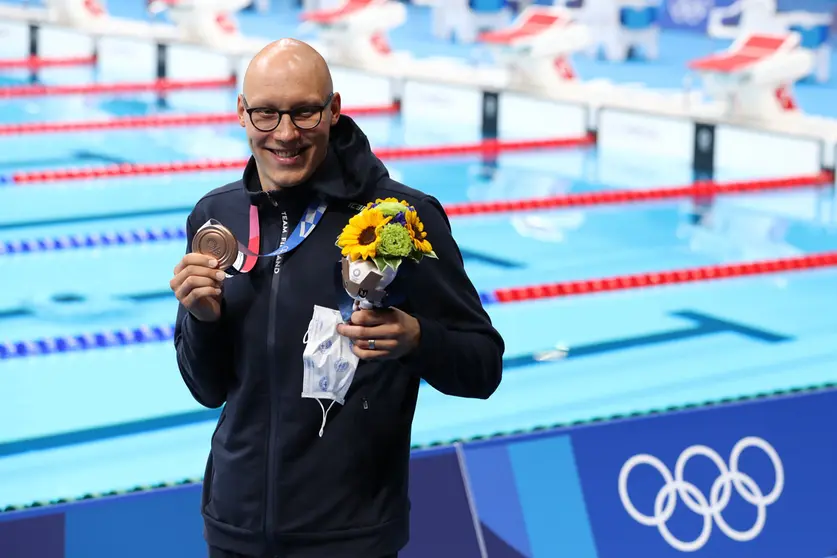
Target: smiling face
x=288 y=76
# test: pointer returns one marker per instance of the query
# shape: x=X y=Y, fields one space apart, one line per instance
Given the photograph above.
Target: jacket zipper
x=270 y=473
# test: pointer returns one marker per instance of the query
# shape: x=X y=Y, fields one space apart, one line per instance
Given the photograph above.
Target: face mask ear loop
x=325 y=414
x=314 y=320
x=307 y=331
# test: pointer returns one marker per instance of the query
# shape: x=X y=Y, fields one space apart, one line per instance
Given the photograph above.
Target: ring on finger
x=371 y=343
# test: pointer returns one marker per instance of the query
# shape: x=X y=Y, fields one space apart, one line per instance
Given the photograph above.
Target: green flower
x=394 y=241
x=390 y=209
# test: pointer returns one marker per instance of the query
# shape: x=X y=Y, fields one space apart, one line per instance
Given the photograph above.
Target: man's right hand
x=197 y=285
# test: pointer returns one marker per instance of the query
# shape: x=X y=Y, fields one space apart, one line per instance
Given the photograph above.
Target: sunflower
x=416 y=229
x=360 y=236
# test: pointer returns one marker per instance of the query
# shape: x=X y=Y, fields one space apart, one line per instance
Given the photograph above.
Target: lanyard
x=247 y=255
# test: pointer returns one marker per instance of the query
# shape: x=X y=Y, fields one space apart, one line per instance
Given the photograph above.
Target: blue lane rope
x=85 y=342
x=115 y=338
x=93 y=240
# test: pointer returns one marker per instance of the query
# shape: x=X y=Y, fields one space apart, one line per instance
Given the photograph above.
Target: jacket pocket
x=209 y=471
x=206 y=487
x=221 y=420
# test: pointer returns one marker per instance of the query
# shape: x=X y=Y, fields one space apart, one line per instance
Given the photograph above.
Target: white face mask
x=328 y=361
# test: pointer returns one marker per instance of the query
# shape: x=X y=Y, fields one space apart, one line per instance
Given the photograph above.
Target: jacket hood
x=349 y=171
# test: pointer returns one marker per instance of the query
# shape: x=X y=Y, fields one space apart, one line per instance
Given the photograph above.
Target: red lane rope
x=158 y=85
x=487 y=147
x=36 y=62
x=160 y=121
x=698 y=189
x=146 y=169
x=661 y=278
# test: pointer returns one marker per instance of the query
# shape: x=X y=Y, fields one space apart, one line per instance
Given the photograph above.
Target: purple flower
x=400 y=219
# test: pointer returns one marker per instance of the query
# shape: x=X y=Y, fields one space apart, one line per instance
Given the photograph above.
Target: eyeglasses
x=304 y=118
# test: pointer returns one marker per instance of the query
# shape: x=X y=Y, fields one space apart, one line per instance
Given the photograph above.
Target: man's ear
x=335 y=108
x=242 y=114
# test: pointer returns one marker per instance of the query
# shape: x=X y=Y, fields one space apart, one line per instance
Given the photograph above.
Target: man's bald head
x=288 y=58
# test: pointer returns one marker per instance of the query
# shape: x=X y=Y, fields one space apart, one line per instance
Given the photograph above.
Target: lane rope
x=581 y=199
x=661 y=278
x=486 y=147
x=155 y=334
x=161 y=121
x=157 y=86
x=699 y=189
x=92 y=240
x=37 y=62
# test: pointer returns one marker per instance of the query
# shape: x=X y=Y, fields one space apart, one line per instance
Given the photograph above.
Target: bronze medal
x=216 y=241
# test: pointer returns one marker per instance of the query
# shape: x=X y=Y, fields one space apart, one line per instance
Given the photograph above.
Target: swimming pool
x=119 y=417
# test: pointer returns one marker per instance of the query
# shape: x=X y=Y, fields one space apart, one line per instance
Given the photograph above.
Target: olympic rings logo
x=719 y=495
x=689 y=12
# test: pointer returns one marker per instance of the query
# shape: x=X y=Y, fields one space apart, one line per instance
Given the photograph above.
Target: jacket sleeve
x=460 y=352
x=204 y=351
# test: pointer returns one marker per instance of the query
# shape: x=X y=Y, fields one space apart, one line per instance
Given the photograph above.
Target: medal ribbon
x=306 y=225
x=248 y=255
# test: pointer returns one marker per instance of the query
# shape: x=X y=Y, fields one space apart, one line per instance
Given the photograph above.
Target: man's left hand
x=381 y=333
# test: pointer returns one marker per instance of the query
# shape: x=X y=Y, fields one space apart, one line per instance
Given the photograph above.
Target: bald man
x=301 y=467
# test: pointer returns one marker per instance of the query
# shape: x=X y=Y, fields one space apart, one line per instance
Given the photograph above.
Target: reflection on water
x=765 y=227
x=498 y=183
x=548 y=228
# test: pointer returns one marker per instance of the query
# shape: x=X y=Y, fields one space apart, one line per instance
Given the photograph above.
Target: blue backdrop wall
x=752 y=479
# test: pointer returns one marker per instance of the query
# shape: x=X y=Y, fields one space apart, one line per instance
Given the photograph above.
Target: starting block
x=620 y=28
x=763 y=16
x=460 y=20
x=84 y=16
x=206 y=22
x=535 y=49
x=355 y=33
x=755 y=75
x=58 y=13
x=77 y=13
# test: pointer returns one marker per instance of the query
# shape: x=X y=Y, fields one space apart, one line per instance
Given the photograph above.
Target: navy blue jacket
x=272 y=486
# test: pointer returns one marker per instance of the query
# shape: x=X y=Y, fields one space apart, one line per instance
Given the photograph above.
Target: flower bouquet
x=374 y=244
